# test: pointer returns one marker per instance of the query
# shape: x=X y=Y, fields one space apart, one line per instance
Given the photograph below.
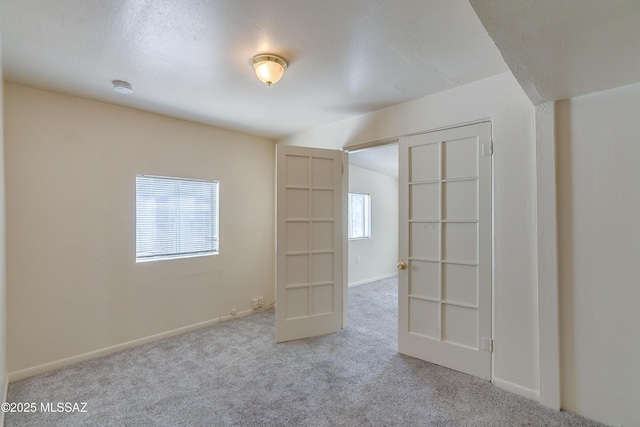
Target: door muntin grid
x=444 y=241
x=309 y=228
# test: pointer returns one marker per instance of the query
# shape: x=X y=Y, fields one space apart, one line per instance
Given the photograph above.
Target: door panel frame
x=484 y=259
x=345 y=188
x=311 y=325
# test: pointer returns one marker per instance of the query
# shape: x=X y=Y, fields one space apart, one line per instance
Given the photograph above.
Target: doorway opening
x=373 y=179
x=442 y=228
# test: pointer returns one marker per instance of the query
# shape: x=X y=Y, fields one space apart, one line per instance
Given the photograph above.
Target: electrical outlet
x=260 y=302
x=234 y=311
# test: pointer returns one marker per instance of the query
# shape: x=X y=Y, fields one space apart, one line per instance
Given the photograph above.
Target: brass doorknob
x=402 y=265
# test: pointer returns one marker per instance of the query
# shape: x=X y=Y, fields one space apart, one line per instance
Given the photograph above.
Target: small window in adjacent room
x=175 y=218
x=359 y=216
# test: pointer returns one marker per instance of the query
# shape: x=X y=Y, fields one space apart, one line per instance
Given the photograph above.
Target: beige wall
x=377 y=255
x=500 y=99
x=73 y=284
x=598 y=166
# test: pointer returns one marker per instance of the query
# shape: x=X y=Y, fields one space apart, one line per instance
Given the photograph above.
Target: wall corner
x=547 y=254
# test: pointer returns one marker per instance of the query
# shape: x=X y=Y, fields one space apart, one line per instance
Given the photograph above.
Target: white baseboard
x=372 y=279
x=45 y=367
x=517 y=389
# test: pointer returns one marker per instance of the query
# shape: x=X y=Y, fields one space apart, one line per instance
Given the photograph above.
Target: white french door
x=445 y=231
x=310 y=242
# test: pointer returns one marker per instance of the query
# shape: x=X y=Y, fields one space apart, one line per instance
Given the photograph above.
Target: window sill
x=168 y=257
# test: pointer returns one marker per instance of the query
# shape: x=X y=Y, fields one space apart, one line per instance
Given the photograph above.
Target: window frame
x=215 y=221
x=366 y=216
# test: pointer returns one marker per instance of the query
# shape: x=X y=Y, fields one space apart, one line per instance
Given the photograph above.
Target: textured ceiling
x=383 y=159
x=190 y=58
x=560 y=49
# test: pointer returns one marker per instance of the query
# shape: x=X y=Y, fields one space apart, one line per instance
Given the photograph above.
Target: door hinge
x=342 y=166
x=487 y=344
x=487 y=149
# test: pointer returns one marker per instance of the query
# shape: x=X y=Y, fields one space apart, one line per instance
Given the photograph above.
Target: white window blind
x=359 y=216
x=175 y=217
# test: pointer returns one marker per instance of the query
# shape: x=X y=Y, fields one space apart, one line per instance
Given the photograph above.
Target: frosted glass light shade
x=269 y=68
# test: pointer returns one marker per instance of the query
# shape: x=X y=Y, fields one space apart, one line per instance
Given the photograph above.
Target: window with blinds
x=175 y=217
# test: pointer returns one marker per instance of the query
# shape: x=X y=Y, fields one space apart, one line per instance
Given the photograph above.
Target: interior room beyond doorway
x=374 y=172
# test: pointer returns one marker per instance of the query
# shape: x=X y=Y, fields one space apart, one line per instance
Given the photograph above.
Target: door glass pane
x=297 y=304
x=460 y=242
x=425 y=201
x=322 y=173
x=460 y=283
x=424 y=318
x=460 y=325
x=424 y=279
x=460 y=200
x=425 y=163
x=460 y=158
x=425 y=240
x=297 y=171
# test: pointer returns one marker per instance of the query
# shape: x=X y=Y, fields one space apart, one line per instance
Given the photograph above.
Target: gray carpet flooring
x=233 y=374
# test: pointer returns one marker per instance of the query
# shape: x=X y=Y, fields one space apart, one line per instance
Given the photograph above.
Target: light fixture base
x=269 y=67
x=121 y=86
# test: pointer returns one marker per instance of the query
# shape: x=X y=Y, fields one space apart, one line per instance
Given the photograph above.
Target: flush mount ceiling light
x=268 y=67
x=121 y=86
